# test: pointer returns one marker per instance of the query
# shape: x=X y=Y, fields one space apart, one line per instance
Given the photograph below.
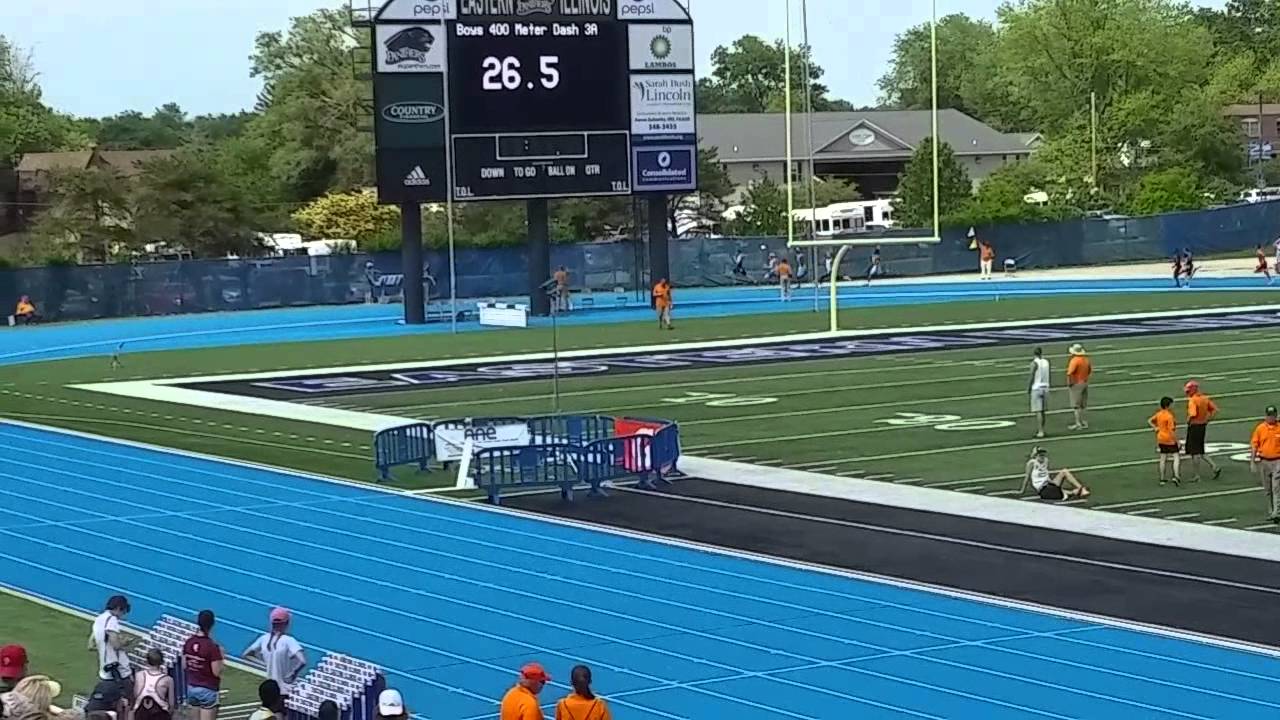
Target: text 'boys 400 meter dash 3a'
x=504 y=99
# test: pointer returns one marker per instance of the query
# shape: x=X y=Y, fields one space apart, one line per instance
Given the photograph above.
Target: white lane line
x=1178 y=498
x=1144 y=511
x=974 y=488
x=1182 y=516
x=1224 y=521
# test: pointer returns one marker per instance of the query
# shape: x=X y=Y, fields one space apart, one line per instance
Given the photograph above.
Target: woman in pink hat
x=279 y=651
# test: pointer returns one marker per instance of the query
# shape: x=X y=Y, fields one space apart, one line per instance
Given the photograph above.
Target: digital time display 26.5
x=545 y=76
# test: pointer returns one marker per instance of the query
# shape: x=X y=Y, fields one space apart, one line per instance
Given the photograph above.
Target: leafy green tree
x=89 y=218
x=182 y=201
x=827 y=191
x=964 y=78
x=764 y=209
x=749 y=77
x=707 y=204
x=347 y=216
x=166 y=128
x=312 y=116
x=913 y=207
x=1002 y=198
x=26 y=123
x=1167 y=190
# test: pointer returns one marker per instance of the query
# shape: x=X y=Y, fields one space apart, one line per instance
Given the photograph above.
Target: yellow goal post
x=844 y=244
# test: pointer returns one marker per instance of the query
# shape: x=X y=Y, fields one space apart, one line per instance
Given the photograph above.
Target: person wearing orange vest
x=1200 y=410
x=582 y=704
x=662 y=303
x=521 y=701
x=784 y=278
x=1078 y=371
x=1265 y=460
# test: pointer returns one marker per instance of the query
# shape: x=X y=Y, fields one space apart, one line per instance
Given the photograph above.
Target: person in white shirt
x=279 y=651
x=1050 y=486
x=1038 y=389
x=112 y=645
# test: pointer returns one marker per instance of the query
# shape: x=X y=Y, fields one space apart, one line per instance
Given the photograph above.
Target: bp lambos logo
x=661 y=47
x=415 y=48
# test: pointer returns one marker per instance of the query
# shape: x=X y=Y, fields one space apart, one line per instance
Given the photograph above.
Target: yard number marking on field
x=944 y=422
x=719 y=400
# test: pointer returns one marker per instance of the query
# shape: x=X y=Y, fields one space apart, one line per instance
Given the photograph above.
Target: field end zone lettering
x=656 y=362
x=1029 y=333
x=330 y=384
x=742 y=355
x=929 y=342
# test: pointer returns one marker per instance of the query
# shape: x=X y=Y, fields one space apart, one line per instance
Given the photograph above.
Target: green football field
x=952 y=419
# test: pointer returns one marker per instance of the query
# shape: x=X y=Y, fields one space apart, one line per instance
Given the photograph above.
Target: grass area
x=954 y=419
x=56 y=640
x=37 y=391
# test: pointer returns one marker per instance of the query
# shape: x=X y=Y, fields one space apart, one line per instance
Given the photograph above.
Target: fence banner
x=452 y=438
x=636 y=458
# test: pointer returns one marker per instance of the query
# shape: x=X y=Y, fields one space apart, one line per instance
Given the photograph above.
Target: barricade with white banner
x=565 y=451
x=503 y=314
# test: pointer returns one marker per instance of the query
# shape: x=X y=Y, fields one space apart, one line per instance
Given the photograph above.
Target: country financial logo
x=410 y=45
x=417 y=178
x=413 y=113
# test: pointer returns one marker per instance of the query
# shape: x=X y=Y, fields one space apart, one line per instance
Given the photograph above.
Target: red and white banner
x=634 y=458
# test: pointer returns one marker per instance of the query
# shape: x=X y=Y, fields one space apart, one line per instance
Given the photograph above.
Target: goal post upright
x=845 y=243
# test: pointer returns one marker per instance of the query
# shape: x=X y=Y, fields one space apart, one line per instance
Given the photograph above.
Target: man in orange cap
x=521 y=701
x=1200 y=410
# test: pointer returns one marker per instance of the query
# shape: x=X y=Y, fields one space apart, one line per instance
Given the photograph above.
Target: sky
x=101 y=57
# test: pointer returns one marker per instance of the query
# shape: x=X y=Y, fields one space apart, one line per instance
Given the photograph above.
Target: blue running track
x=452 y=598
x=176 y=332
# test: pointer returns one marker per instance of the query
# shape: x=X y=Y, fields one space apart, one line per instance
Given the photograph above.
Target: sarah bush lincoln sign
x=662 y=104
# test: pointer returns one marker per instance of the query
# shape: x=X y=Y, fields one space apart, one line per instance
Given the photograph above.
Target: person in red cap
x=1200 y=410
x=279 y=651
x=13 y=666
x=521 y=701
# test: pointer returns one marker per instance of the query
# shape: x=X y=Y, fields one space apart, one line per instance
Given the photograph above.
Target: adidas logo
x=416 y=178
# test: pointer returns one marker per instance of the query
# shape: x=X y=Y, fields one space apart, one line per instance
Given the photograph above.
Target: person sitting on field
x=1047 y=485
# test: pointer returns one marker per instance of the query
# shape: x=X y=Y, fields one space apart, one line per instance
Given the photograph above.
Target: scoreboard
x=534 y=98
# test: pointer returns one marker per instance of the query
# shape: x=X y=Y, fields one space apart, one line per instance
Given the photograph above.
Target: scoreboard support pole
x=659 y=242
x=539 y=256
x=415 y=312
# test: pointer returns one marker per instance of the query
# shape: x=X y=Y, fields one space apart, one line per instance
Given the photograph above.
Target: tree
x=704 y=207
x=913 y=207
x=1167 y=191
x=89 y=218
x=764 y=209
x=827 y=191
x=313 y=111
x=164 y=129
x=1002 y=198
x=749 y=77
x=26 y=124
x=964 y=48
x=182 y=201
x=347 y=216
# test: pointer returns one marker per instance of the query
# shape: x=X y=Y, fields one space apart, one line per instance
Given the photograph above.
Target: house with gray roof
x=870 y=147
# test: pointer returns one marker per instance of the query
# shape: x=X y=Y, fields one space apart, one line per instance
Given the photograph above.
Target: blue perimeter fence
x=564 y=451
x=98 y=291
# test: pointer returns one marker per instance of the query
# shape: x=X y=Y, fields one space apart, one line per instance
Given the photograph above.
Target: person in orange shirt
x=662 y=303
x=582 y=704
x=25 y=313
x=1166 y=427
x=521 y=701
x=1200 y=410
x=987 y=258
x=784 y=278
x=1078 y=371
x=1265 y=460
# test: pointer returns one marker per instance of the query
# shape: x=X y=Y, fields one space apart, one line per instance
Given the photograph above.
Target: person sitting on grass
x=31 y=699
x=153 y=692
x=272 y=702
x=13 y=666
x=1047 y=485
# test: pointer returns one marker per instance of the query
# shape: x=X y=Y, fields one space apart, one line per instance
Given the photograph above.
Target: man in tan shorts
x=1078 y=371
x=1265 y=460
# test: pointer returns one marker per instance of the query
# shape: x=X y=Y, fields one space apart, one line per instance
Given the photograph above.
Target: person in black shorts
x=1200 y=410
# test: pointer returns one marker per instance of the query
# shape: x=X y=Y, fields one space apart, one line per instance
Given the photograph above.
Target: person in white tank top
x=1050 y=486
x=153 y=690
x=1038 y=389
